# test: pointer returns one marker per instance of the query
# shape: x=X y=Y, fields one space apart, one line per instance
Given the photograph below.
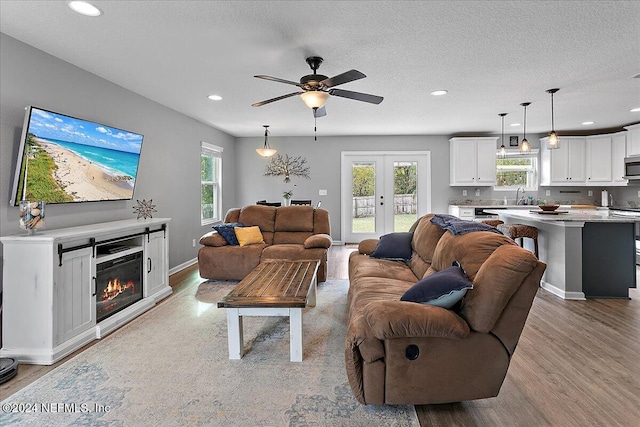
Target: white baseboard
x=337 y=243
x=182 y=266
x=579 y=296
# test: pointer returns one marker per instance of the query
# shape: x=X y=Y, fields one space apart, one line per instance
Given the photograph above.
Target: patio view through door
x=383 y=192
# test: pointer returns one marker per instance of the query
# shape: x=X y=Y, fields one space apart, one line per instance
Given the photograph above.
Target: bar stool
x=492 y=222
x=516 y=231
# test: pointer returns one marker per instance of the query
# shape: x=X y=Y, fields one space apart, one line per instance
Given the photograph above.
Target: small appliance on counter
x=607 y=199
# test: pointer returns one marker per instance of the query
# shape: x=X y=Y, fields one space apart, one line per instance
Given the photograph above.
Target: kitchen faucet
x=517 y=195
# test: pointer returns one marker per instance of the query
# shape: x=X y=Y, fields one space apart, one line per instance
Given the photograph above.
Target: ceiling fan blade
x=268 y=101
x=358 y=96
x=275 y=79
x=319 y=112
x=346 y=77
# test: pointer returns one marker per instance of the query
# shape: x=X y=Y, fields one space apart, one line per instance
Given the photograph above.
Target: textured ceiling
x=490 y=55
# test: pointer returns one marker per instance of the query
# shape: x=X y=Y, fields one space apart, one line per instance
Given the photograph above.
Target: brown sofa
x=291 y=232
x=462 y=353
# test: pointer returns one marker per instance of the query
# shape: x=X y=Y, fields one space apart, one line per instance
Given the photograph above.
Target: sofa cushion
x=443 y=289
x=394 y=246
x=290 y=237
x=425 y=238
x=228 y=232
x=497 y=280
x=470 y=250
x=262 y=216
x=249 y=235
x=294 y=218
x=318 y=241
x=213 y=238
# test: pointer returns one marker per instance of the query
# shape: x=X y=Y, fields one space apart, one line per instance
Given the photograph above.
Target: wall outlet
x=194 y=243
x=322 y=192
x=590 y=193
x=638 y=193
x=464 y=192
x=477 y=192
x=547 y=193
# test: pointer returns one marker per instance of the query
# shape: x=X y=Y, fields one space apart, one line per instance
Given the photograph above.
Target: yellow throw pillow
x=248 y=235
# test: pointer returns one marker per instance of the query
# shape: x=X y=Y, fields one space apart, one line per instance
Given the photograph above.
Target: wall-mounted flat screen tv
x=63 y=159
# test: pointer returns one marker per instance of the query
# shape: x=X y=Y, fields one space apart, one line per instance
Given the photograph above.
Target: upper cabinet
x=633 y=140
x=596 y=160
x=473 y=161
x=564 y=165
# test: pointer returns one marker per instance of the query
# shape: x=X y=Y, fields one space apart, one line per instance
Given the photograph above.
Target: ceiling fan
x=317 y=88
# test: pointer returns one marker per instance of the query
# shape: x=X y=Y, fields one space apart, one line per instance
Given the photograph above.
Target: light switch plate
x=547 y=193
x=322 y=192
x=464 y=192
x=590 y=193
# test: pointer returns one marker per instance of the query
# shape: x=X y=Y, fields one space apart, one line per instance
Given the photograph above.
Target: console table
x=49 y=281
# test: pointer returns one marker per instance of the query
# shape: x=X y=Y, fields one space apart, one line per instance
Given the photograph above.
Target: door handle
x=95 y=286
x=148 y=265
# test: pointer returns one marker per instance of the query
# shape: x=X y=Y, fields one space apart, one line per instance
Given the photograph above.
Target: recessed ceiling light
x=439 y=92
x=214 y=97
x=635 y=110
x=84 y=8
x=588 y=123
x=514 y=124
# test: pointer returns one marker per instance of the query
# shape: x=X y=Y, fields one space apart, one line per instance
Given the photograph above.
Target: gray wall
x=323 y=157
x=169 y=170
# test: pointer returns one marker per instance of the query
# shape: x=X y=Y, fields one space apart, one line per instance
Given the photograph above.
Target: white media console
x=50 y=285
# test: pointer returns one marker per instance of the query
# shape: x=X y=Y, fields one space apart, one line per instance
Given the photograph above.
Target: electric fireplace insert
x=118 y=284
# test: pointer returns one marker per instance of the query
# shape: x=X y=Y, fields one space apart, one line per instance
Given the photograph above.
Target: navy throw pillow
x=227 y=231
x=394 y=246
x=443 y=289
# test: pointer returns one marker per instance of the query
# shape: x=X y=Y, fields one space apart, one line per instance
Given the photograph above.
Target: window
x=210 y=183
x=517 y=170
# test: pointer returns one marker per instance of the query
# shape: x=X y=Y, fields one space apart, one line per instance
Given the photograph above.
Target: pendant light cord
x=553 y=127
x=524 y=135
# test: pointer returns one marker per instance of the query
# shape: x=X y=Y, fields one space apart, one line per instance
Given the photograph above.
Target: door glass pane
x=363 y=214
x=405 y=184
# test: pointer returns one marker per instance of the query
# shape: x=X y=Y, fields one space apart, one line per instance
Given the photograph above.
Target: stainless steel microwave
x=632 y=167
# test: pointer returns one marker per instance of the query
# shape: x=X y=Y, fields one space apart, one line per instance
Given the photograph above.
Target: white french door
x=383 y=192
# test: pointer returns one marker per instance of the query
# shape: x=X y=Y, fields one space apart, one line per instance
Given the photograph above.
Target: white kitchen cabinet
x=618 y=153
x=633 y=140
x=49 y=285
x=599 y=160
x=462 y=212
x=566 y=165
x=472 y=161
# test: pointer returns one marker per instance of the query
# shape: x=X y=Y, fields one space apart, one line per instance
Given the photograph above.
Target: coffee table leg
x=234 y=332
x=295 y=334
x=311 y=301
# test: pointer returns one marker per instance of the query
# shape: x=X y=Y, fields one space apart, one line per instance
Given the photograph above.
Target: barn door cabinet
x=49 y=285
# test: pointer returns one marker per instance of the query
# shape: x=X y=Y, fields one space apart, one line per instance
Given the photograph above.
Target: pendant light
x=525 y=147
x=553 y=141
x=266 y=151
x=503 y=150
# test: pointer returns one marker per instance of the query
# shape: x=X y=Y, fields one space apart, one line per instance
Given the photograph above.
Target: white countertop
x=580 y=215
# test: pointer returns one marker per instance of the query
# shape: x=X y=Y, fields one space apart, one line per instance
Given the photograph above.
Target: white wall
x=169 y=171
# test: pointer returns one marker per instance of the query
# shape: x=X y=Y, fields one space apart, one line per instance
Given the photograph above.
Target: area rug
x=170 y=367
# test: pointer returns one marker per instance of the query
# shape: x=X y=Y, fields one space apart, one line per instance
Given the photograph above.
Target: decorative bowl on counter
x=548 y=208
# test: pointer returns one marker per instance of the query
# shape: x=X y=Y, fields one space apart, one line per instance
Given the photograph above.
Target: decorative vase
x=31 y=215
x=286 y=201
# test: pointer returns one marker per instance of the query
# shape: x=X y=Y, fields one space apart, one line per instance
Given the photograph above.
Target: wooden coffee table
x=273 y=288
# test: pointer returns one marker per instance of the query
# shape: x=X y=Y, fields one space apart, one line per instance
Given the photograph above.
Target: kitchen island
x=589 y=253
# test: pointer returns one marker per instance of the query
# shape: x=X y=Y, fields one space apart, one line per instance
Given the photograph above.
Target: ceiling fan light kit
x=553 y=141
x=314 y=98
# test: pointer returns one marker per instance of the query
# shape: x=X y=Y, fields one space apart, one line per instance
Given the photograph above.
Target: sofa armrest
x=401 y=319
x=367 y=246
x=318 y=241
x=212 y=238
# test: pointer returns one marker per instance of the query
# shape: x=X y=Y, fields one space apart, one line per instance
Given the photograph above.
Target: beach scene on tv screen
x=72 y=160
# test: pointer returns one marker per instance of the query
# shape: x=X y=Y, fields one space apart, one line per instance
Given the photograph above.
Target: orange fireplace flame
x=115 y=287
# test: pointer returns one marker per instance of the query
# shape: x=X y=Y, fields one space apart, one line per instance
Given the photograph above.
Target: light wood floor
x=577 y=364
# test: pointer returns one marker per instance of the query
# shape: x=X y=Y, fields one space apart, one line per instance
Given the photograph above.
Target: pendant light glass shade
x=266 y=151
x=553 y=141
x=502 y=152
x=315 y=98
x=525 y=147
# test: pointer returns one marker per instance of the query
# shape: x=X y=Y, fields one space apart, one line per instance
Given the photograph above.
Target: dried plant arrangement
x=287 y=166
